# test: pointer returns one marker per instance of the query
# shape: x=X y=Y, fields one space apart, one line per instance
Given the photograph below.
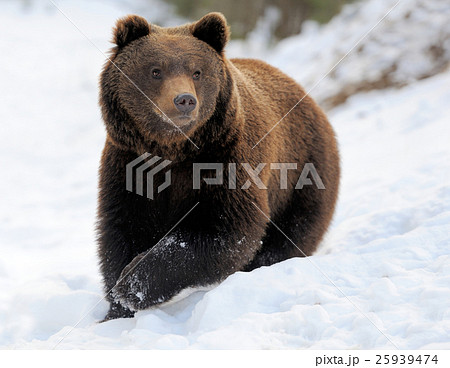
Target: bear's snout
x=185 y=102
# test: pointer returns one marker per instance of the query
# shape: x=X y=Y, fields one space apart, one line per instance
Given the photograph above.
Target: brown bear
x=172 y=93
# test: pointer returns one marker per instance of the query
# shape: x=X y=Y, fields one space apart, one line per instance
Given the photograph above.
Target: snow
x=412 y=42
x=381 y=278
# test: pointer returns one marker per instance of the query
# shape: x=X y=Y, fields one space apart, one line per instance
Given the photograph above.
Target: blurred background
x=287 y=15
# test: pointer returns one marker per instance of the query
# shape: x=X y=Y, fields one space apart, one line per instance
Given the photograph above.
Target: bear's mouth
x=179 y=120
x=183 y=120
x=179 y=123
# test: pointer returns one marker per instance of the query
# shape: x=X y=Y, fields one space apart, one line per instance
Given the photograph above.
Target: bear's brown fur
x=233 y=104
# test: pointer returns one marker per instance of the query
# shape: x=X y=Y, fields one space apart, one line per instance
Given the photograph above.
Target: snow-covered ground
x=410 y=43
x=381 y=278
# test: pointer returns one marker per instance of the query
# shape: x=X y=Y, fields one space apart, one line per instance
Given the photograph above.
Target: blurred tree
x=243 y=15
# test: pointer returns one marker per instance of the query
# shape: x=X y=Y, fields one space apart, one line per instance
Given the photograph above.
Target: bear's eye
x=156 y=73
x=196 y=75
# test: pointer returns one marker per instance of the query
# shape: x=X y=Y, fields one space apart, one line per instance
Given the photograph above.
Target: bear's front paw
x=131 y=289
x=116 y=310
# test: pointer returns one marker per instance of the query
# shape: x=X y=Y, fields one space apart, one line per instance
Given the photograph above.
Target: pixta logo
x=141 y=168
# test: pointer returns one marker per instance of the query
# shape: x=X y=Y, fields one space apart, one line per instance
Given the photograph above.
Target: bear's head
x=163 y=83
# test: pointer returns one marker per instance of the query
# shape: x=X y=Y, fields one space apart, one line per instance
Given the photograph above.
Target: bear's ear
x=213 y=30
x=130 y=28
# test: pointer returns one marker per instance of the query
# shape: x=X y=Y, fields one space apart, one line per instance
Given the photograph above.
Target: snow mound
x=411 y=43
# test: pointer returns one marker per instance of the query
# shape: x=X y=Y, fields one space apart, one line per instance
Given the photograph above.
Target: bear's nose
x=185 y=102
